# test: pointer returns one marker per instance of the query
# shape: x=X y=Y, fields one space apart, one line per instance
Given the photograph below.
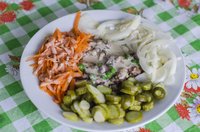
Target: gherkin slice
x=133 y=116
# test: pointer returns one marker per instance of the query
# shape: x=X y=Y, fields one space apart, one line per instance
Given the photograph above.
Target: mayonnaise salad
x=151 y=45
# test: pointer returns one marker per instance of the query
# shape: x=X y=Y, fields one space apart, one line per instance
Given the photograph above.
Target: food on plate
x=106 y=71
x=56 y=63
x=150 y=45
x=158 y=61
x=100 y=104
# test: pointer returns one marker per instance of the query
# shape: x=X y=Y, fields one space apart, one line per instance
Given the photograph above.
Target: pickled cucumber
x=133 y=116
x=70 y=116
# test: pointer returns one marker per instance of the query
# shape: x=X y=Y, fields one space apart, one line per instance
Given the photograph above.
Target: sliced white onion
x=159 y=75
x=118 y=29
x=108 y=25
x=157 y=60
x=142 y=77
x=88 y=25
x=116 y=35
x=143 y=63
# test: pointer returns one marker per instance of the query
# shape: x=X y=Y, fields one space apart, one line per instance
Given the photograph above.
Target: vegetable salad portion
x=104 y=103
x=111 y=71
x=55 y=64
x=136 y=36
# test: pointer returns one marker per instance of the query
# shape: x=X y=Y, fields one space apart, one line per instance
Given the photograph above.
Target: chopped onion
x=88 y=25
x=157 y=60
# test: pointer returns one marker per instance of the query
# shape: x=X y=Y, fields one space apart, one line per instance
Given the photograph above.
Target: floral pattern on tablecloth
x=8 y=11
x=188 y=106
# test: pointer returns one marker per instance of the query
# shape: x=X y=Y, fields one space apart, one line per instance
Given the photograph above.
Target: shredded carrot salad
x=56 y=63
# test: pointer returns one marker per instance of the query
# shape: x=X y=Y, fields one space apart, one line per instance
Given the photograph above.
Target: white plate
x=44 y=102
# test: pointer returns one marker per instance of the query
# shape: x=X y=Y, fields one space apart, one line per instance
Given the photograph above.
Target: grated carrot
x=76 y=22
x=72 y=84
x=56 y=63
